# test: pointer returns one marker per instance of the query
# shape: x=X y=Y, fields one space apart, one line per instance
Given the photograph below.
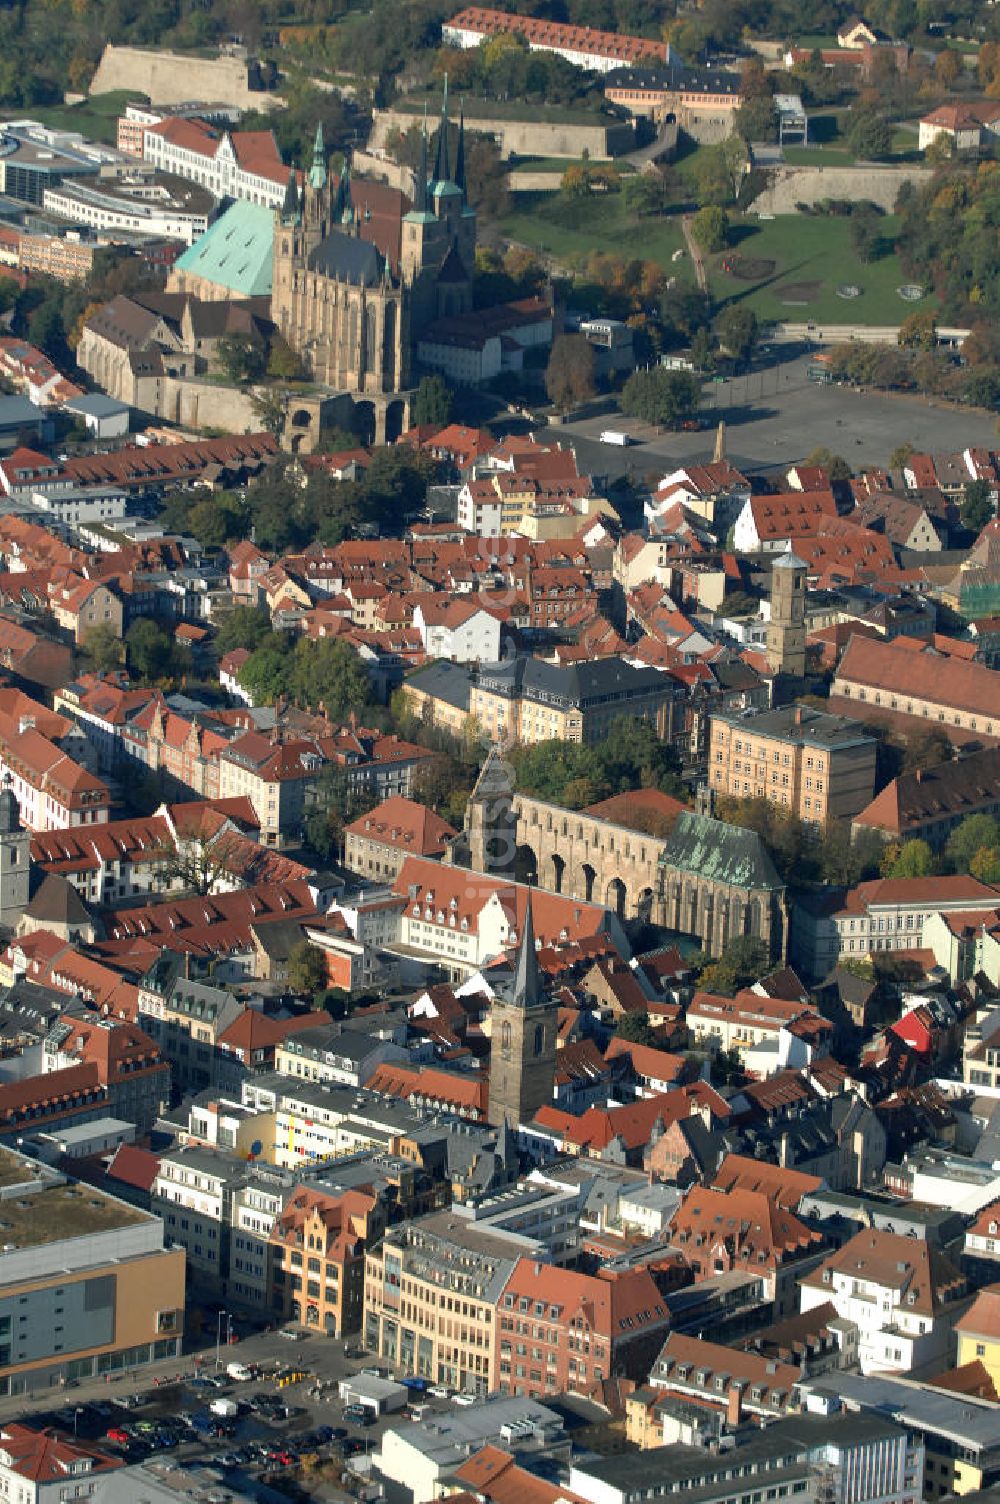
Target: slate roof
x=720 y=853
x=348 y=260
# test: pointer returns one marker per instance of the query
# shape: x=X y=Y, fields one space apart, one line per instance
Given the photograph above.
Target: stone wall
x=524 y=138
x=173 y=78
x=790 y=186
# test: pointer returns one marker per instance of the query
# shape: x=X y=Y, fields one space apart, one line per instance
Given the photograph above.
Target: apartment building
x=319 y=1244
x=597 y=51
x=889 y=913
x=723 y=1231
x=86 y=1285
x=432 y=1289
x=821 y=767
x=928 y=803
x=564 y=1332
x=902 y=1294
x=129 y=1064
x=527 y=700
x=230 y=164
x=745 y=1021
x=38 y=754
x=890 y=681
x=377 y=844
x=742 y=1384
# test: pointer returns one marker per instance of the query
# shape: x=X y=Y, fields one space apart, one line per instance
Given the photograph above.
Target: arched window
x=539 y=1038
x=505 y=1036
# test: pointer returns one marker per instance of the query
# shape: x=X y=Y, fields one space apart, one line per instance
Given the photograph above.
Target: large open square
x=777 y=416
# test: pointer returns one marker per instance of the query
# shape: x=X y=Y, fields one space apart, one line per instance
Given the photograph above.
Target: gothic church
x=352 y=308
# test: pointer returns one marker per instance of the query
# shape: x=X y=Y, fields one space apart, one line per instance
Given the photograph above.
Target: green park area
x=569 y=229
x=96 y=117
x=801 y=268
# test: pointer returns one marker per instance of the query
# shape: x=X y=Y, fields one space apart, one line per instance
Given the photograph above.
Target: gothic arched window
x=539 y=1039
x=506 y=1036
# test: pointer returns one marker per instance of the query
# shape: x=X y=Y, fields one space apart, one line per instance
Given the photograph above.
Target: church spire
x=290 y=206
x=527 y=983
x=420 y=193
x=442 y=171
x=460 y=154
x=344 y=193
x=317 y=172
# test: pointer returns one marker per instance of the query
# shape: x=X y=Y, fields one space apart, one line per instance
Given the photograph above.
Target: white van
x=239 y=1372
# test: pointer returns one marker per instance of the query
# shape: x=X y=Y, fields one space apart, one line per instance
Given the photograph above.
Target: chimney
x=798 y=715
x=734 y=1406
x=920 y=775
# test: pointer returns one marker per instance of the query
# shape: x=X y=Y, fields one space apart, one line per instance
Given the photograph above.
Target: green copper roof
x=719 y=852
x=445 y=190
x=235 y=252
x=317 y=172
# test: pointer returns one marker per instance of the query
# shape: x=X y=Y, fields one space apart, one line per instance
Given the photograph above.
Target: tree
x=264 y=676
x=270 y=405
x=737 y=330
x=327 y=673
x=911 y=859
x=243 y=627
x=636 y=1029
x=219 y=519
x=900 y=455
x=154 y=656
x=710 y=228
x=757 y=119
x=864 y=233
x=307 y=972
x=918 y=331
x=569 y=375
x=335 y=803
x=103 y=648
x=985 y=865
x=977 y=505
x=432 y=401
x=284 y=363
x=660 y=396
x=926 y=748
x=968 y=838
x=948 y=67
x=200 y=863
x=834 y=464
x=744 y=960
x=241 y=358
x=870 y=135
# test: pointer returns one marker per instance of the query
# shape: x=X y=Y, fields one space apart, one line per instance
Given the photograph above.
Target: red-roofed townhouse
x=318 y=1259
x=44 y=1467
x=563 y=1332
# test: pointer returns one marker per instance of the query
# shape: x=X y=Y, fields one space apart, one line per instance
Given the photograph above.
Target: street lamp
x=218 y=1336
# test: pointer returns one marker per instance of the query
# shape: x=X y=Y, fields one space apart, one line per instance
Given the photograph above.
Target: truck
x=615 y=436
x=224 y=1407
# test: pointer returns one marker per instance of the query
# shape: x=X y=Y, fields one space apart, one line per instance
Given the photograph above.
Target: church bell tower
x=522 y=1039
x=15 y=859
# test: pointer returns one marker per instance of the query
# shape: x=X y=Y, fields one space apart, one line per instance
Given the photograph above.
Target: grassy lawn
x=599 y=223
x=559 y=164
x=96 y=117
x=816 y=254
x=505 y=109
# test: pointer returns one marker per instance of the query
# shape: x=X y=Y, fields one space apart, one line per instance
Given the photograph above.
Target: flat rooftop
x=39 y=1206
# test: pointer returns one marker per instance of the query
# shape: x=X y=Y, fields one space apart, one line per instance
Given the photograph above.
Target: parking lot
x=166 y=1411
x=776 y=416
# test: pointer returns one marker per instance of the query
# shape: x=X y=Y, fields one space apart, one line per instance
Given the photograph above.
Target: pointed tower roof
x=420 y=211
x=460 y=153
x=442 y=169
x=317 y=172
x=527 y=989
x=290 y=206
x=344 y=203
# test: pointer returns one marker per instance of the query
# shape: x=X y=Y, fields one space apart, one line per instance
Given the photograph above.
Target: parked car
x=358 y=1415
x=439 y=1391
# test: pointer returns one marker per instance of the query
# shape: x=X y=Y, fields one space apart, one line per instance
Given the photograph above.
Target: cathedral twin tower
x=353 y=290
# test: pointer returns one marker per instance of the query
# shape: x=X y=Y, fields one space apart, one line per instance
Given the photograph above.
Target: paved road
x=776 y=417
